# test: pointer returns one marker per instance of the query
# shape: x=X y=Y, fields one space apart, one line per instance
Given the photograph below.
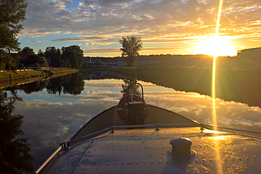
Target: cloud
x=107 y=3
x=77 y=39
x=117 y=50
x=56 y=16
x=93 y=95
x=32 y=41
x=173 y=39
x=104 y=22
x=103 y=50
x=150 y=49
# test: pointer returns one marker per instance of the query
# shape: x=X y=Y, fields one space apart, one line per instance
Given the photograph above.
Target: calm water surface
x=55 y=110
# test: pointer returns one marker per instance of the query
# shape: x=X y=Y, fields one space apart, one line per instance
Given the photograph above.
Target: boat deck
x=149 y=151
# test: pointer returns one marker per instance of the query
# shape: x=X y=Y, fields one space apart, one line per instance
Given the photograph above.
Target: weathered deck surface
x=147 y=151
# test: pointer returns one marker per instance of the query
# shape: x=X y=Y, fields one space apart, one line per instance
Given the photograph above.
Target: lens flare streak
x=214 y=115
x=219 y=16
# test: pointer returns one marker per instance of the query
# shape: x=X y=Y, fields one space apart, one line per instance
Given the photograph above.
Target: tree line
x=11 y=14
x=69 y=57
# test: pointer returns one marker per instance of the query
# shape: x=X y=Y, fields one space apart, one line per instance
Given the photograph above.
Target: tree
x=130 y=47
x=34 y=59
x=42 y=62
x=11 y=13
x=31 y=60
x=73 y=55
x=28 y=51
x=54 y=54
x=58 y=58
x=40 y=53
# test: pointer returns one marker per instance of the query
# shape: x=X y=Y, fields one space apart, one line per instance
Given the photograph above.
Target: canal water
x=54 y=110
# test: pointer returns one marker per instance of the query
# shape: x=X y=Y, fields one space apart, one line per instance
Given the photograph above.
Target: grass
x=11 y=78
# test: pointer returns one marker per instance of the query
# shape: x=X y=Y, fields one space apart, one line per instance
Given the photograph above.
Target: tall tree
x=51 y=52
x=74 y=55
x=130 y=47
x=40 y=53
x=31 y=60
x=58 y=56
x=11 y=13
x=42 y=62
x=28 y=51
x=55 y=55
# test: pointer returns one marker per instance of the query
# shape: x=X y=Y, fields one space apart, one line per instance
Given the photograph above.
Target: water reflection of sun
x=216 y=46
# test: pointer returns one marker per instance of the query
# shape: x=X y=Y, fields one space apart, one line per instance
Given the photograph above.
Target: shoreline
x=20 y=77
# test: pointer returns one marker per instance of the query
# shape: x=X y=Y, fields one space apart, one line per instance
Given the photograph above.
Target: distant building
x=89 y=60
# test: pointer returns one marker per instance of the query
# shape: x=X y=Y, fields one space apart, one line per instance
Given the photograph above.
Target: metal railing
x=209 y=126
x=87 y=136
x=49 y=159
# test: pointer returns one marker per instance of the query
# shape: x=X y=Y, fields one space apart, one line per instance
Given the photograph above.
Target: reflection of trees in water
x=15 y=154
x=55 y=84
x=76 y=84
x=128 y=88
x=34 y=87
x=72 y=84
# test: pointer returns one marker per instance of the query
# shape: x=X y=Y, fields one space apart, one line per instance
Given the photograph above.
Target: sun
x=216 y=46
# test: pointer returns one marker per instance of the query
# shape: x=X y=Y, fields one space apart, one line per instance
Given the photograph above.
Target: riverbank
x=20 y=77
x=240 y=85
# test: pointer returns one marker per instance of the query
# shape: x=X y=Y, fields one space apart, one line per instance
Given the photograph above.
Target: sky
x=164 y=26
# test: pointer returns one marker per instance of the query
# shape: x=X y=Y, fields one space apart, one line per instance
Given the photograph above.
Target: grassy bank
x=11 y=76
x=241 y=85
x=18 y=77
x=55 y=71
